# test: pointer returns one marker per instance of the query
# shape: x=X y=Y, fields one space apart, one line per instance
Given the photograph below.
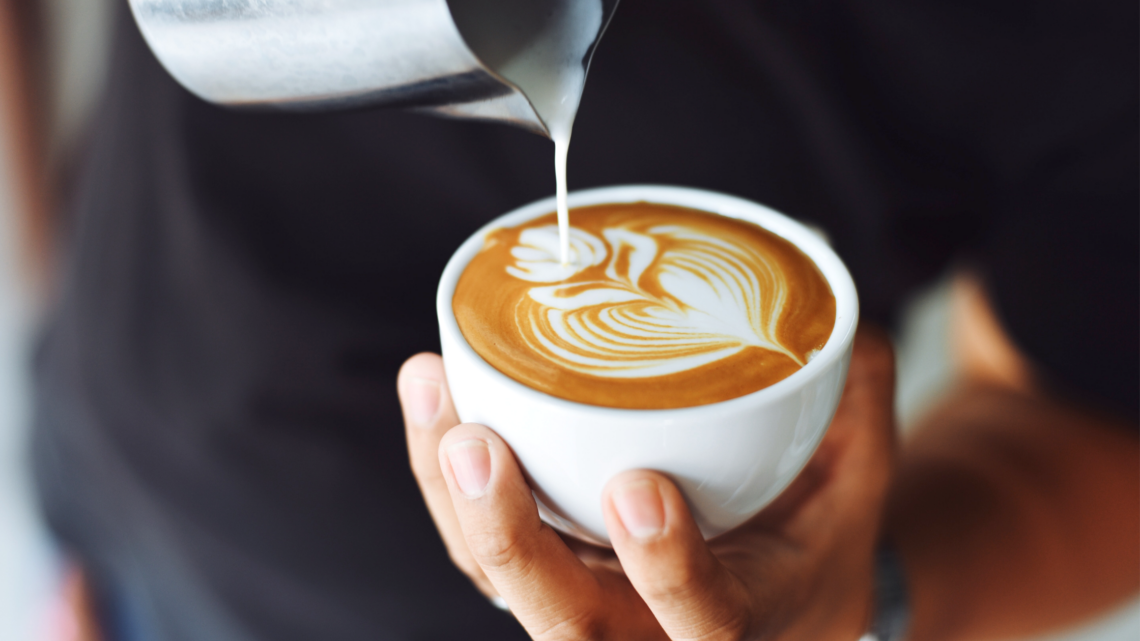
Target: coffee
x=660 y=307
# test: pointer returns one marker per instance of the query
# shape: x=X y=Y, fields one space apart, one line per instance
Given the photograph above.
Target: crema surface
x=660 y=307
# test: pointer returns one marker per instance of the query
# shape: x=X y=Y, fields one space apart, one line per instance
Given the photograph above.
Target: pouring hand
x=801 y=569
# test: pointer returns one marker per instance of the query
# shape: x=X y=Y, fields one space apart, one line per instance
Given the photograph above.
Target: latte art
x=652 y=298
x=703 y=299
x=538 y=255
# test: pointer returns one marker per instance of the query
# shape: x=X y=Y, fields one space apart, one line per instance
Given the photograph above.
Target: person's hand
x=801 y=569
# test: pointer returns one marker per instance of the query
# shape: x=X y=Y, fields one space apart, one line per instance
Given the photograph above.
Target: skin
x=23 y=132
x=1015 y=513
x=800 y=570
x=1015 y=510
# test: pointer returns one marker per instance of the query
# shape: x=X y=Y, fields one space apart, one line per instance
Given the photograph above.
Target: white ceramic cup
x=729 y=459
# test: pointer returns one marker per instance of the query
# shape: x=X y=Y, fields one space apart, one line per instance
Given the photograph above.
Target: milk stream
x=541 y=47
x=561 y=146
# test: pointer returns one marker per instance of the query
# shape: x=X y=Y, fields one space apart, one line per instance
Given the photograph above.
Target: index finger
x=549 y=589
x=428 y=415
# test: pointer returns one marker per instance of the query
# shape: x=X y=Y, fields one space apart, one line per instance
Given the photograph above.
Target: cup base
x=566 y=527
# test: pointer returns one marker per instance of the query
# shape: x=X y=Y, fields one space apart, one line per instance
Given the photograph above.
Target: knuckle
x=708 y=619
x=734 y=628
x=675 y=580
x=705 y=605
x=580 y=626
x=498 y=549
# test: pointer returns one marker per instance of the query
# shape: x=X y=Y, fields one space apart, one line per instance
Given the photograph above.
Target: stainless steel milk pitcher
x=328 y=54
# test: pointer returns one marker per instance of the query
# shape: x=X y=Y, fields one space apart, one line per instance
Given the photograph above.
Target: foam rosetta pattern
x=657 y=306
x=672 y=299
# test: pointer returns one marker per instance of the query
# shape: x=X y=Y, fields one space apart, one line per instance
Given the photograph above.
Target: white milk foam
x=541 y=47
x=720 y=297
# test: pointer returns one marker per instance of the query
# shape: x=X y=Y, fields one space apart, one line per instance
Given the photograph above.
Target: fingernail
x=638 y=504
x=421 y=398
x=471 y=464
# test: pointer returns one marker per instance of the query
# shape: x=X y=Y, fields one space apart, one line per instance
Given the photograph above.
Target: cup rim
x=805 y=239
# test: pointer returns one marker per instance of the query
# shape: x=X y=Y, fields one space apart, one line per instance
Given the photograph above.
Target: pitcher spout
x=459 y=59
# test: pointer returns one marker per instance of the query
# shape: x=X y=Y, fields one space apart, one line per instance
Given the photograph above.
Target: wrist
x=891 y=617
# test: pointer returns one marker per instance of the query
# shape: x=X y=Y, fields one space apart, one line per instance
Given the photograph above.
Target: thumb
x=689 y=591
x=549 y=590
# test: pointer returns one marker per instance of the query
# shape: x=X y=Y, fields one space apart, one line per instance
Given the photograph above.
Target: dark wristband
x=892 y=598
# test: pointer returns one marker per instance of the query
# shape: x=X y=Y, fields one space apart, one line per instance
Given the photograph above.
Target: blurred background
x=31 y=572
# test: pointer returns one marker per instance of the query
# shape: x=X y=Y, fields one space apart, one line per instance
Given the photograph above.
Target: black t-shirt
x=218 y=434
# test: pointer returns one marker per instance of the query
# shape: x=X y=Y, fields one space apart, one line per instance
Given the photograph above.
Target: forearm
x=1015 y=515
x=23 y=124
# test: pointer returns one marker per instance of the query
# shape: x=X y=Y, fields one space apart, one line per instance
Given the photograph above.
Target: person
x=217 y=436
